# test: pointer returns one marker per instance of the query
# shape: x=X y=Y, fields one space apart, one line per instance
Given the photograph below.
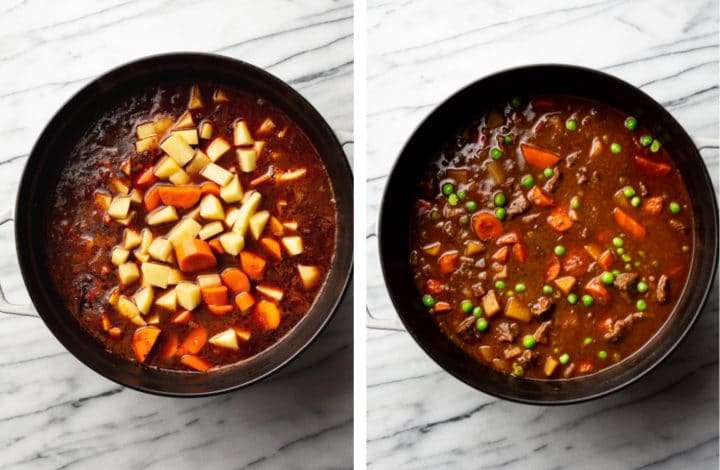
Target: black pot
x=50 y=154
x=394 y=222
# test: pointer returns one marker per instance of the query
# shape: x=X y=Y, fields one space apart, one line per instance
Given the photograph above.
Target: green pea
x=641 y=305
x=675 y=207
x=615 y=273
x=588 y=300
x=617 y=242
x=602 y=354
x=631 y=123
x=685 y=248
x=548 y=172
x=547 y=289
x=615 y=148
x=528 y=181
x=428 y=301
x=529 y=341
x=464 y=219
x=453 y=199
x=500 y=213
x=448 y=189
x=655 y=146
x=559 y=250
x=477 y=311
x=434 y=215
x=462 y=195
x=635 y=201
x=587 y=341
x=620 y=250
x=520 y=287
x=571 y=124
x=471 y=206
x=575 y=202
x=642 y=287
x=466 y=306
x=500 y=199
x=646 y=140
x=515 y=101
x=572 y=298
x=500 y=285
x=481 y=324
x=637 y=263
x=564 y=358
x=607 y=278
x=508 y=139
x=628 y=191
x=496 y=154
x=626 y=257
x=518 y=370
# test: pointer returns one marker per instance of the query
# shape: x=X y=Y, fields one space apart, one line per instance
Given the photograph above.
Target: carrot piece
x=486 y=226
x=236 y=280
x=434 y=286
x=260 y=180
x=538 y=157
x=267 y=314
x=220 y=309
x=552 y=269
x=596 y=288
x=194 y=255
x=559 y=220
x=585 y=367
x=145 y=179
x=272 y=246
x=143 y=341
x=194 y=362
x=216 y=295
x=652 y=205
x=508 y=238
x=652 y=167
x=441 y=307
x=183 y=197
x=216 y=246
x=194 y=341
x=605 y=260
x=521 y=252
x=169 y=346
x=244 y=300
x=208 y=187
x=501 y=255
x=576 y=261
x=538 y=197
x=182 y=318
x=627 y=223
x=448 y=261
x=152 y=199
x=253 y=265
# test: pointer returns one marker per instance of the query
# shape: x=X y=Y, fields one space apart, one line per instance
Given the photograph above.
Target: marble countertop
x=57 y=413
x=419 y=53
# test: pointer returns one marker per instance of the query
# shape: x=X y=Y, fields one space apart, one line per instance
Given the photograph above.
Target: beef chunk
x=530 y=218
x=466 y=327
x=679 y=226
x=518 y=205
x=581 y=175
x=569 y=370
x=642 y=189
x=450 y=230
x=625 y=281
x=507 y=332
x=541 y=333
x=595 y=177
x=621 y=327
x=572 y=159
x=541 y=305
x=552 y=182
x=527 y=357
x=585 y=233
x=662 y=288
x=477 y=289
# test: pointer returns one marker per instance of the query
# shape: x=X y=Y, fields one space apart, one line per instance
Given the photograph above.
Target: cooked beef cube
x=595 y=177
x=585 y=233
x=477 y=289
x=507 y=332
x=512 y=351
x=642 y=189
x=466 y=326
x=625 y=281
x=621 y=327
x=553 y=181
x=581 y=175
x=679 y=226
x=572 y=159
x=541 y=305
x=662 y=288
x=450 y=229
x=527 y=357
x=541 y=333
x=518 y=205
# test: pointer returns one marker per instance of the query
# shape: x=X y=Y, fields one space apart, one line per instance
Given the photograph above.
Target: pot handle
x=5 y=306
x=706 y=142
x=377 y=323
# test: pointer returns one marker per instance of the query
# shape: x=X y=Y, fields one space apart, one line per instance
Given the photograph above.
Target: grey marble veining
x=55 y=412
x=420 y=52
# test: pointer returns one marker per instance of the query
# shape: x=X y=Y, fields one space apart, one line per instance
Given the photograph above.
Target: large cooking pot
x=396 y=209
x=50 y=154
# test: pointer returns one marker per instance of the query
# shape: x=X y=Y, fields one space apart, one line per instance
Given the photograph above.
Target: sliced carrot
x=152 y=199
x=486 y=226
x=244 y=300
x=194 y=362
x=552 y=269
x=521 y=252
x=538 y=157
x=236 y=280
x=260 y=180
x=194 y=341
x=145 y=179
x=559 y=220
x=216 y=295
x=272 y=246
x=169 y=346
x=183 y=197
x=576 y=261
x=434 y=286
x=605 y=260
x=216 y=246
x=501 y=255
x=194 y=255
x=652 y=205
x=208 y=187
x=267 y=314
x=538 y=197
x=441 y=307
x=143 y=341
x=220 y=309
x=448 y=261
x=596 y=288
x=508 y=238
x=652 y=167
x=253 y=265
x=627 y=223
x=182 y=318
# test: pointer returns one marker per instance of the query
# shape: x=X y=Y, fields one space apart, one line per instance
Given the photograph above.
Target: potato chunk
x=309 y=275
x=232 y=243
x=156 y=274
x=241 y=136
x=177 y=148
x=216 y=174
x=162 y=215
x=188 y=295
x=168 y=300
x=490 y=304
x=160 y=249
x=127 y=309
x=293 y=245
x=217 y=148
x=258 y=222
x=144 y=299
x=226 y=339
x=232 y=192
x=247 y=158
x=211 y=208
x=515 y=308
x=119 y=207
x=128 y=273
x=565 y=284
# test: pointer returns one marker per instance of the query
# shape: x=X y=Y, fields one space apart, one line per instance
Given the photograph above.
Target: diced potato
x=119 y=256
x=160 y=249
x=119 y=207
x=131 y=239
x=490 y=304
x=188 y=295
x=291 y=175
x=168 y=300
x=565 y=284
x=246 y=211
x=103 y=200
x=292 y=226
x=209 y=280
x=113 y=296
x=232 y=242
x=185 y=121
x=156 y=274
x=258 y=222
x=126 y=221
x=272 y=292
x=162 y=124
x=217 y=148
x=206 y=130
x=199 y=161
x=241 y=136
x=226 y=339
x=162 y=215
x=126 y=167
x=433 y=249
x=194 y=213
x=232 y=192
x=267 y=126
x=276 y=228
x=247 y=159
x=188 y=135
x=175 y=277
x=517 y=309
x=128 y=273
x=127 y=309
x=148 y=144
x=186 y=228
x=146 y=129
x=550 y=365
x=146 y=239
x=242 y=333
x=293 y=245
x=210 y=230
x=281 y=133
x=179 y=178
x=136 y=196
x=178 y=148
x=153 y=319
x=309 y=275
x=165 y=168
x=144 y=299
x=216 y=174
x=220 y=96
x=211 y=208
x=195 y=98
x=140 y=256
x=259 y=146
x=593 y=250
x=230 y=215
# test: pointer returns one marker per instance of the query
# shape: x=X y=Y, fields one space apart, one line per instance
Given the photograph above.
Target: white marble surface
x=420 y=52
x=55 y=412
